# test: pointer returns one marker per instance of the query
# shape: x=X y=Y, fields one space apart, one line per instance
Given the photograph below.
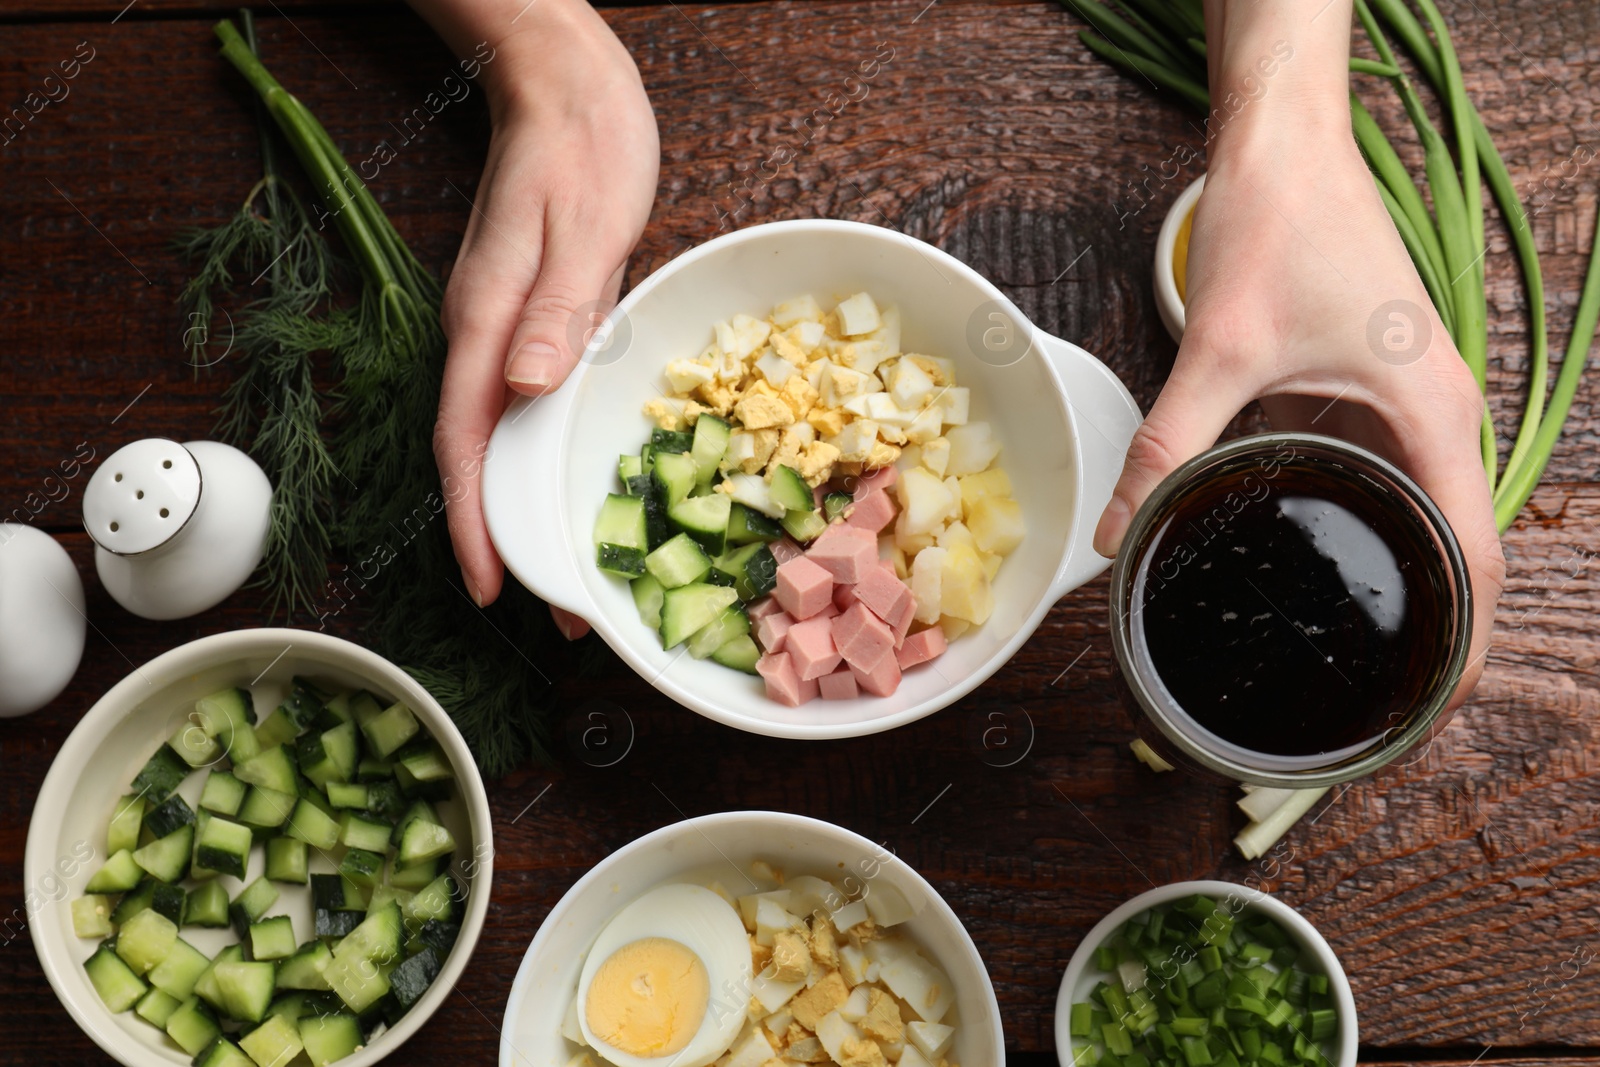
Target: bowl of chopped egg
x=747 y=938
x=812 y=479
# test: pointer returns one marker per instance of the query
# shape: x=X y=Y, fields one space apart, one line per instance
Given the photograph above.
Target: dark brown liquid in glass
x=1293 y=607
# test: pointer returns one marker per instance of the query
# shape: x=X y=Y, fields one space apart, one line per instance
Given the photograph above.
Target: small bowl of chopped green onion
x=262 y=847
x=1205 y=974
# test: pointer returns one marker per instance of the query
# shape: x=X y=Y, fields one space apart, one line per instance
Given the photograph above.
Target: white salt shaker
x=42 y=620
x=177 y=527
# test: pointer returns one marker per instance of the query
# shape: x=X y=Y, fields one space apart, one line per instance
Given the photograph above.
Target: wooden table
x=1456 y=891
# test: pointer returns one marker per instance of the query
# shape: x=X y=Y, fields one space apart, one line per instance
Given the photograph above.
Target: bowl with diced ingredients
x=812 y=479
x=266 y=848
x=1205 y=974
x=747 y=938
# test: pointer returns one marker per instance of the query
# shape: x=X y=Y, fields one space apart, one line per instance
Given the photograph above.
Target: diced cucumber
x=330 y=756
x=223 y=1053
x=288 y=860
x=358 y=831
x=168 y=816
x=193 y=1026
x=804 y=526
x=126 y=818
x=306 y=707
x=704 y=518
x=119 y=988
x=417 y=876
x=162 y=774
x=834 y=505
x=657 y=527
x=312 y=825
x=118 y=875
x=647 y=598
x=362 y=867
x=250 y=905
x=710 y=444
x=376 y=940
x=328 y=1038
x=751 y=569
x=180 y=970
x=718 y=632
x=207 y=905
x=205 y=987
x=435 y=902
x=167 y=858
x=391 y=729
x=303 y=970
x=272 y=939
x=151 y=895
x=330 y=916
x=439 y=936
x=91 y=916
x=753 y=492
x=675 y=474
x=224 y=846
x=276 y=729
x=266 y=809
x=629 y=466
x=272 y=768
x=145 y=940
x=386 y=893
x=740 y=653
x=230 y=716
x=678 y=562
x=639 y=485
x=688 y=608
x=425 y=762
x=348 y=794
x=223 y=793
x=410 y=980
x=670 y=441
x=621 y=561
x=384 y=800
x=156 y=1007
x=423 y=841
x=621 y=522
x=246 y=989
x=274 y=1043
x=364 y=706
x=791 y=490
x=746 y=526
x=193 y=745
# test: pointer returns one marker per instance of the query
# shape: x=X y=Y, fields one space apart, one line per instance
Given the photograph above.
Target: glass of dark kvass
x=1289 y=610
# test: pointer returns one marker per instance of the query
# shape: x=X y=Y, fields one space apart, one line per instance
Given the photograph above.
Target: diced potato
x=685 y=375
x=925 y=500
x=798 y=309
x=955 y=401
x=991 y=564
x=952 y=627
x=927 y=580
x=910 y=543
x=964 y=589
x=974 y=487
x=858 y=315
x=955 y=533
x=935 y=456
x=996 y=524
x=972 y=448
x=775 y=369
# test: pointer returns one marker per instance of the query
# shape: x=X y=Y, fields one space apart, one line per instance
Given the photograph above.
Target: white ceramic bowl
x=722 y=846
x=66 y=838
x=1082 y=975
x=1168 y=303
x=1063 y=418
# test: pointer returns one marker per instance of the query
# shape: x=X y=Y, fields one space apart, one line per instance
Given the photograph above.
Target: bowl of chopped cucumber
x=265 y=847
x=812 y=479
x=1206 y=974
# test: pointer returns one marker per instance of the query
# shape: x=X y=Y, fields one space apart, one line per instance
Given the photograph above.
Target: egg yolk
x=1180 y=256
x=648 y=998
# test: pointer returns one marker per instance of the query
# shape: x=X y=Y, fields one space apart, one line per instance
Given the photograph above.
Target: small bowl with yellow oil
x=1172 y=259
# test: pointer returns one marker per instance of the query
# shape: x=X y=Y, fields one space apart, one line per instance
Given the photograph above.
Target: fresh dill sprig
x=354 y=470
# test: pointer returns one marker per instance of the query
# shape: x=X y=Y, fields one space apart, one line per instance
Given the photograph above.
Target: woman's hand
x=1301 y=294
x=566 y=191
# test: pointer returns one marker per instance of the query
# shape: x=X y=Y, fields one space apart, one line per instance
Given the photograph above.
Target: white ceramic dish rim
x=1174 y=315
x=1295 y=924
x=592 y=883
x=171 y=666
x=558 y=583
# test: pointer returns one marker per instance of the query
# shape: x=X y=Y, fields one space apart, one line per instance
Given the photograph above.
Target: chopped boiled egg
x=858 y=315
x=797 y=310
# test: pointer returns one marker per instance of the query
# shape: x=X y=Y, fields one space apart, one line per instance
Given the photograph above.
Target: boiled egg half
x=667 y=981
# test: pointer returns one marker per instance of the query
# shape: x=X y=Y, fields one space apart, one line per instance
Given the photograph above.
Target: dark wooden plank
x=1452 y=889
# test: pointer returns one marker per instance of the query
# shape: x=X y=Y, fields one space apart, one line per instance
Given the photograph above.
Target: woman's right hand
x=566 y=190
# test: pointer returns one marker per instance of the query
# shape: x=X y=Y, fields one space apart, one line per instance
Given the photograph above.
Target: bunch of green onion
x=1197 y=984
x=1164 y=41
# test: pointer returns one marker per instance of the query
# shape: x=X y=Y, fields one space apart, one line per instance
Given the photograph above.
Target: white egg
x=649 y=988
